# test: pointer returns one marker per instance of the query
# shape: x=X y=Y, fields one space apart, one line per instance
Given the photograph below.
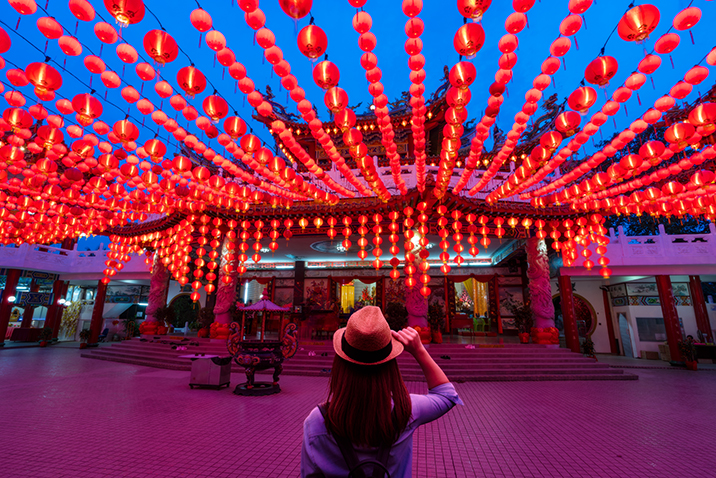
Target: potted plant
x=436 y=319
x=45 y=336
x=397 y=315
x=523 y=317
x=687 y=348
x=588 y=348
x=84 y=337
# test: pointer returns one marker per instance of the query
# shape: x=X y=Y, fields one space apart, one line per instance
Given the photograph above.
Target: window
x=651 y=329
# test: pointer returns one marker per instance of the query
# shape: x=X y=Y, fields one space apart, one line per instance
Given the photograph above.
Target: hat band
x=364 y=356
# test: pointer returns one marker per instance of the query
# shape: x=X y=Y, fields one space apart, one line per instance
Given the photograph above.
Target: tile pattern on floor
x=63 y=416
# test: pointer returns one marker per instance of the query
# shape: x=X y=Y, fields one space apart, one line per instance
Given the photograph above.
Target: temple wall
x=590 y=291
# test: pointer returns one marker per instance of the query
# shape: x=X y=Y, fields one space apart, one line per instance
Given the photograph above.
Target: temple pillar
x=54 y=306
x=571 y=333
x=97 y=313
x=299 y=277
x=11 y=280
x=671 y=317
x=29 y=309
x=700 y=310
x=610 y=323
x=226 y=289
x=158 y=288
x=544 y=331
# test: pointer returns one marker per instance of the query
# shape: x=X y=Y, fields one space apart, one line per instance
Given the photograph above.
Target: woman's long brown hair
x=359 y=403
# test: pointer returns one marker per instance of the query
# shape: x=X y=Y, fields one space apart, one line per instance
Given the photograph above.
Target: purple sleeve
x=438 y=401
x=309 y=469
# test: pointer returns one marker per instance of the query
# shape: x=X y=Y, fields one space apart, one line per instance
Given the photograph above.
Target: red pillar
x=671 y=317
x=29 y=310
x=13 y=277
x=700 y=310
x=54 y=311
x=569 y=317
x=610 y=323
x=97 y=310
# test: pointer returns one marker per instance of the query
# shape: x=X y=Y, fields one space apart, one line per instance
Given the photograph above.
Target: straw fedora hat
x=366 y=339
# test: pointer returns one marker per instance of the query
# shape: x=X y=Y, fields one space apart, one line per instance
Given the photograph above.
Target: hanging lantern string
x=545 y=189
x=216 y=90
x=127 y=116
x=145 y=60
x=544 y=170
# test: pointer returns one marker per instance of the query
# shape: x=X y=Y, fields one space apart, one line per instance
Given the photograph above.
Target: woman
x=369 y=409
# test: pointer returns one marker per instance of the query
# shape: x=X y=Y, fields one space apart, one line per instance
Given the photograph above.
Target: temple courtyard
x=65 y=416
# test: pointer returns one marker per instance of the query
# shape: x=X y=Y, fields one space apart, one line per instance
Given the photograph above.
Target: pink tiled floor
x=63 y=416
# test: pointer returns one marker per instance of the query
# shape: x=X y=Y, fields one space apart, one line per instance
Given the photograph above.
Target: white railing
x=62 y=261
x=662 y=249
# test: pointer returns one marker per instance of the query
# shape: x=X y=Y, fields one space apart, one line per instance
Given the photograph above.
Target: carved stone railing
x=662 y=249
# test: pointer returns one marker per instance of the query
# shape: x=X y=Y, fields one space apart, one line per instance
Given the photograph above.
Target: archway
x=584 y=313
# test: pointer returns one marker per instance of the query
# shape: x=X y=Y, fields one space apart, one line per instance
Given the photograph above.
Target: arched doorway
x=583 y=311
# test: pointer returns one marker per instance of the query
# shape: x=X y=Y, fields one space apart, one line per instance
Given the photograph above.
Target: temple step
x=499 y=362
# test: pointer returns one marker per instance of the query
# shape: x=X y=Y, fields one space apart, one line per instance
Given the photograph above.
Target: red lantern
x=48 y=26
x=191 y=80
x=704 y=115
x=215 y=107
x=215 y=40
x=127 y=53
x=687 y=18
x=69 y=45
x=601 y=70
x=125 y=131
x=638 y=23
x=105 y=32
x=462 y=74
x=336 y=99
x=234 y=127
x=312 y=41
x=568 y=122
x=582 y=99
x=87 y=107
x=82 y=10
x=296 y=8
x=126 y=12
x=43 y=77
x=326 y=74
x=160 y=46
x=473 y=9
x=469 y=39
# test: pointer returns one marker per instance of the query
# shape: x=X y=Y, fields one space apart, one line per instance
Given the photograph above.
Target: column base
x=545 y=336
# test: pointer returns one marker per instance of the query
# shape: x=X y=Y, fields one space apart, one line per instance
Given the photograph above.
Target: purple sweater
x=321 y=457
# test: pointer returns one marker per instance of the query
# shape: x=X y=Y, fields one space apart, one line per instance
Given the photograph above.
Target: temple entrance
x=471 y=303
x=355 y=295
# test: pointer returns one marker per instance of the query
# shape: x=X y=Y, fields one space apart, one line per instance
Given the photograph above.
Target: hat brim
x=338 y=335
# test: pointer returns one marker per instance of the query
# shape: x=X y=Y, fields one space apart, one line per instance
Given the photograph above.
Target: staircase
x=484 y=363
